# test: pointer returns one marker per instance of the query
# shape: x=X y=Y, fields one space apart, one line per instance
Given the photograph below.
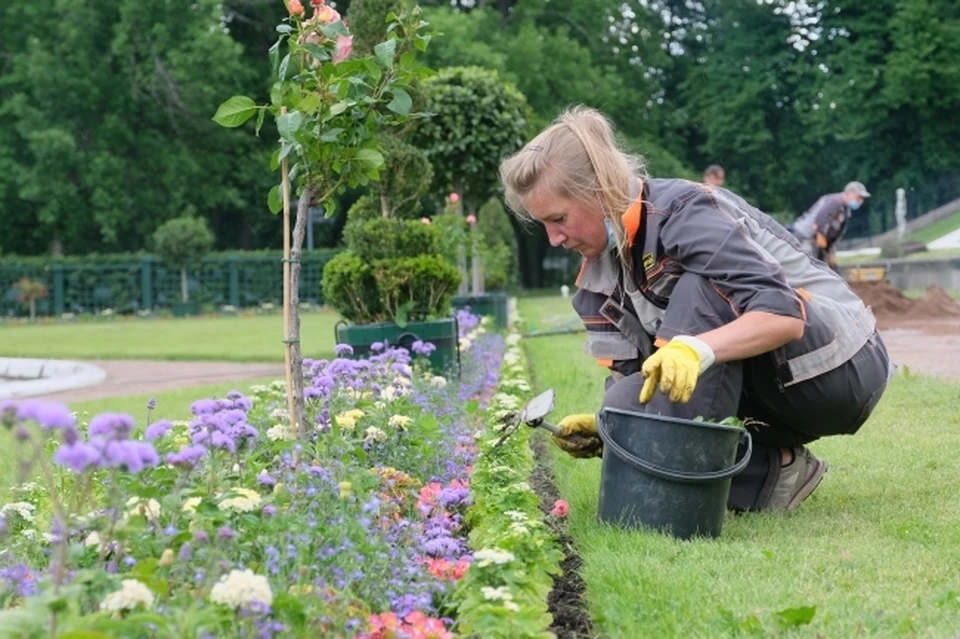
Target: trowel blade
x=538 y=407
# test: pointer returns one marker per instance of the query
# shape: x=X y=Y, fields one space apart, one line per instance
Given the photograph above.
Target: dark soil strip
x=566 y=601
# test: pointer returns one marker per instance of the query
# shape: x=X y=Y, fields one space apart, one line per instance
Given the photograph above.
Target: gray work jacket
x=829 y=215
x=749 y=259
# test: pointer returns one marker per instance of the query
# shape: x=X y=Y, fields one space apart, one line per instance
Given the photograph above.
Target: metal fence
x=131 y=284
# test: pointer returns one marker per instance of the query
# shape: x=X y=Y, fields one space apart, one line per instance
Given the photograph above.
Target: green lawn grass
x=873 y=551
x=936 y=230
x=257 y=338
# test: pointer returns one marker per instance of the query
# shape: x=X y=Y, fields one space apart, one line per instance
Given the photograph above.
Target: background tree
x=183 y=241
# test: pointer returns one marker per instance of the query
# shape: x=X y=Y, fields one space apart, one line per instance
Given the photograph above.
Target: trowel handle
x=556 y=431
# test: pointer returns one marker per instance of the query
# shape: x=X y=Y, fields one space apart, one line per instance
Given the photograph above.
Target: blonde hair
x=577 y=157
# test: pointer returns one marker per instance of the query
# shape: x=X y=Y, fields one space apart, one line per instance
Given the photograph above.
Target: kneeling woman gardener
x=701 y=306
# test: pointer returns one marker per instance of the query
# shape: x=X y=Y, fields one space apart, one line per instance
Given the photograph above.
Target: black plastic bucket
x=668 y=474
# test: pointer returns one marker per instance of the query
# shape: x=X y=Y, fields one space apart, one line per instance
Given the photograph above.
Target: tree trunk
x=33 y=310
x=293 y=337
x=184 y=289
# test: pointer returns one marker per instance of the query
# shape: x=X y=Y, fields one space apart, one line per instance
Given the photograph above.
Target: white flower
x=242 y=588
x=374 y=434
x=346 y=422
x=502 y=400
x=280 y=432
x=487 y=556
x=93 y=539
x=400 y=422
x=516 y=515
x=190 y=506
x=438 y=381
x=131 y=594
x=149 y=509
x=244 y=500
x=491 y=594
x=24 y=509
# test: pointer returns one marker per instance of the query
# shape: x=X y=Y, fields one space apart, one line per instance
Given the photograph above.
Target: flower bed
x=227 y=526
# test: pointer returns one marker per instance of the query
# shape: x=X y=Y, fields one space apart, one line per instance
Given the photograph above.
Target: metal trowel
x=532 y=415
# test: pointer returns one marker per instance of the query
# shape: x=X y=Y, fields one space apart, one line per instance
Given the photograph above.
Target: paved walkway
x=132 y=377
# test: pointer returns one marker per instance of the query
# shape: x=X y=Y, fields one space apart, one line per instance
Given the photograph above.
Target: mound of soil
x=888 y=302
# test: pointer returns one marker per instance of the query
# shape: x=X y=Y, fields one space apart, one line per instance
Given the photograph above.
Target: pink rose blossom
x=295 y=8
x=454 y=197
x=560 y=508
x=342 y=49
x=471 y=219
x=325 y=14
x=425 y=220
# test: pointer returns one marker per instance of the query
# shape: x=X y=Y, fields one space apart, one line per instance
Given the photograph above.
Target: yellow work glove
x=821 y=240
x=578 y=436
x=675 y=367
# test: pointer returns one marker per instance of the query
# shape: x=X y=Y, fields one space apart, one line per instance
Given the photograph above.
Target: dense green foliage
x=108 y=130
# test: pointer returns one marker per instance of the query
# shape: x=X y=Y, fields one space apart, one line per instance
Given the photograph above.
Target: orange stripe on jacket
x=632 y=219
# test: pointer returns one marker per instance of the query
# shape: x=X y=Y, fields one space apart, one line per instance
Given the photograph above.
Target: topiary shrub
x=183 y=241
x=392 y=270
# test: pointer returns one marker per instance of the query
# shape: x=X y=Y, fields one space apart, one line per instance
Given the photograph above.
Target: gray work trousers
x=835 y=403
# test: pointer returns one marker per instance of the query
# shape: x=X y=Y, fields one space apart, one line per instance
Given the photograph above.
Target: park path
x=132 y=377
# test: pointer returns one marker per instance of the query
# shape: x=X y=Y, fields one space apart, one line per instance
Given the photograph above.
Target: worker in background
x=714 y=175
x=821 y=227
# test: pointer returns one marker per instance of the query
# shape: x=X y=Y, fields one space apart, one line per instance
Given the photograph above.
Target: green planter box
x=185 y=309
x=442 y=333
x=490 y=304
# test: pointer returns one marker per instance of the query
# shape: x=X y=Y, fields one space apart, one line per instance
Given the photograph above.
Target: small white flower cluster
x=467 y=341
x=503 y=401
x=23 y=509
x=190 y=506
x=280 y=432
x=374 y=434
x=437 y=381
x=242 y=588
x=149 y=508
x=487 y=556
x=132 y=593
x=243 y=500
x=500 y=594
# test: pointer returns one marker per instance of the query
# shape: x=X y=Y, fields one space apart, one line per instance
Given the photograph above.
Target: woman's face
x=569 y=223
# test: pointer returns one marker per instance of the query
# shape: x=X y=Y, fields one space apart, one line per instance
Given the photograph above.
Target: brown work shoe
x=797 y=480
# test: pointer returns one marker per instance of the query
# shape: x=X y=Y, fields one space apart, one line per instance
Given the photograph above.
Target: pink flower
x=454 y=197
x=471 y=219
x=295 y=8
x=325 y=14
x=342 y=48
x=560 y=508
x=425 y=220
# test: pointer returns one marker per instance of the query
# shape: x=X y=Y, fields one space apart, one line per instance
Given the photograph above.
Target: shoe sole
x=810 y=484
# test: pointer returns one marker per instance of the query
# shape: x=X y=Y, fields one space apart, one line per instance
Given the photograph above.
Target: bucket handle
x=681 y=476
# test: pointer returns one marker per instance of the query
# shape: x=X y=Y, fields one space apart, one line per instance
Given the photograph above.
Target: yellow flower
x=166 y=559
x=355 y=413
x=346 y=422
x=400 y=422
x=345 y=489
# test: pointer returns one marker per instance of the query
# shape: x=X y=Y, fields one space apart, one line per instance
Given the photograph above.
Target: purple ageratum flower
x=186 y=457
x=186 y=552
x=111 y=425
x=423 y=348
x=47 y=414
x=158 y=429
x=203 y=406
x=343 y=350
x=131 y=455
x=376 y=347
x=269 y=510
x=201 y=536
x=77 y=457
x=265 y=479
x=221 y=440
x=20 y=579
x=151 y=403
x=225 y=533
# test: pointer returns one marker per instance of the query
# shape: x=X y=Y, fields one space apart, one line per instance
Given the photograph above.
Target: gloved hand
x=578 y=436
x=821 y=240
x=676 y=368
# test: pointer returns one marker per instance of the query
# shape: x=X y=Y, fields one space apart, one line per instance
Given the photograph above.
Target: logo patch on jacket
x=647 y=261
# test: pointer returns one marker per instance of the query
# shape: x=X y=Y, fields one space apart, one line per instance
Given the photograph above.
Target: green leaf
x=384 y=52
x=331 y=134
x=274 y=200
x=260 y=116
x=284 y=65
x=401 y=102
x=284 y=28
x=800 y=616
x=340 y=107
x=274 y=56
x=288 y=124
x=235 y=111
x=84 y=634
x=309 y=104
x=370 y=156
